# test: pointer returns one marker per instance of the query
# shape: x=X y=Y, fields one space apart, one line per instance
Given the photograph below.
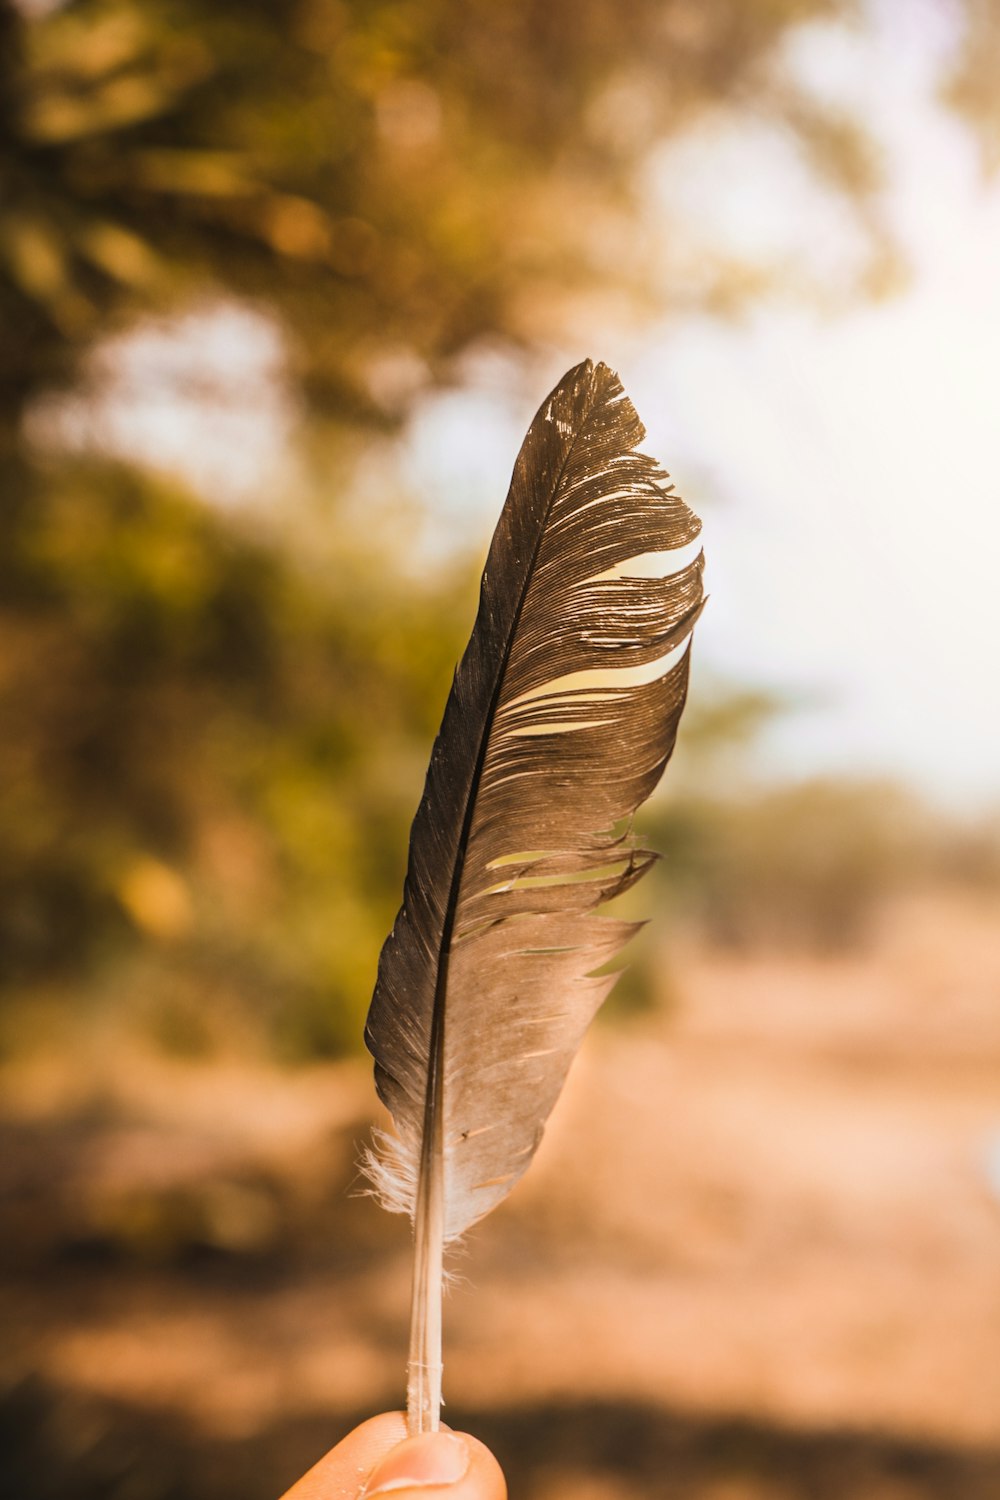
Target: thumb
x=437 y=1466
x=378 y=1460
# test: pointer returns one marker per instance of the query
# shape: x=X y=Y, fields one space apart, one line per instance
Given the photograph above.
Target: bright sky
x=855 y=548
x=847 y=468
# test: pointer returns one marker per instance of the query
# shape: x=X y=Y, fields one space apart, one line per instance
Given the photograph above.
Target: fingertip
x=485 y=1474
x=440 y=1465
x=346 y=1467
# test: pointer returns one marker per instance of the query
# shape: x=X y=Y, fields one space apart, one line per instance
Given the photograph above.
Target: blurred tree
x=971 y=86
x=395 y=179
x=800 y=866
x=208 y=756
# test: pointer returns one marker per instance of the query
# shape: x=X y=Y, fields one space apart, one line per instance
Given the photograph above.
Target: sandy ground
x=774 y=1208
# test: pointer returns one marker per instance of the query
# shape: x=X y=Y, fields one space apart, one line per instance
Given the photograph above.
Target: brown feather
x=561 y=718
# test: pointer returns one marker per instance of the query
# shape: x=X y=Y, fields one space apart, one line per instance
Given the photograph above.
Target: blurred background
x=281 y=285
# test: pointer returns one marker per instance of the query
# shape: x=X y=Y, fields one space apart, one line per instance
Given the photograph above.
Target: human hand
x=378 y=1459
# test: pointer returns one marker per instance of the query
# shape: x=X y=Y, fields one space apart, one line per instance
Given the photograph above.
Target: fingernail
x=429 y=1459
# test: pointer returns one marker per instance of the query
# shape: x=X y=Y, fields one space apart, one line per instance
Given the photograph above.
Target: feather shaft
x=425 y=1366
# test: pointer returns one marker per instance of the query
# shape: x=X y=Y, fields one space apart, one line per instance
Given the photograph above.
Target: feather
x=561 y=718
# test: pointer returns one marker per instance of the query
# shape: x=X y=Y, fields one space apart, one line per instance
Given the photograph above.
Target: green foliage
x=209 y=753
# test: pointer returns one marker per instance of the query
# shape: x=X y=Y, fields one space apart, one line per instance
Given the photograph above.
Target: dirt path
x=779 y=1203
